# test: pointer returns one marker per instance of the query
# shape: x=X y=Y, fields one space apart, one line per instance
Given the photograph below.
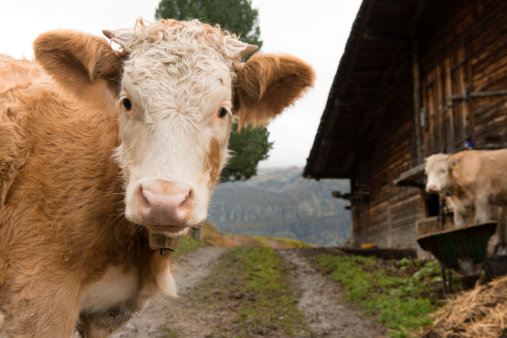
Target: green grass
x=264 y=277
x=262 y=241
x=292 y=243
x=257 y=277
x=186 y=244
x=288 y=242
x=400 y=301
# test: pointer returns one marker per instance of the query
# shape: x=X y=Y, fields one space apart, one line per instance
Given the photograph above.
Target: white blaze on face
x=437 y=172
x=175 y=120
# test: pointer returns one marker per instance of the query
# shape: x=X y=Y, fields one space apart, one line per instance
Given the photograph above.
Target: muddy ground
x=321 y=300
x=195 y=313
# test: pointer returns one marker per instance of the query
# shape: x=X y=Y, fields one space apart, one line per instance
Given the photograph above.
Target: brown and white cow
x=100 y=146
x=476 y=178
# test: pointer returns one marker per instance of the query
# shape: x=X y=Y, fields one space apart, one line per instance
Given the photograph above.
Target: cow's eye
x=127 y=103
x=222 y=112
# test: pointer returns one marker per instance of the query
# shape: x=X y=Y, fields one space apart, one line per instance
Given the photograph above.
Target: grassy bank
x=400 y=295
x=213 y=237
x=186 y=244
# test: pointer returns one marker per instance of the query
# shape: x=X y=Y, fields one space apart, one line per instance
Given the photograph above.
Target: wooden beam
x=349 y=143
x=394 y=37
x=450 y=139
x=384 y=85
x=410 y=176
x=359 y=38
x=416 y=80
x=416 y=83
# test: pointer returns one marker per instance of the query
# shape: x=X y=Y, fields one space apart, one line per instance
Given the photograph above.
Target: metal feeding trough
x=459 y=249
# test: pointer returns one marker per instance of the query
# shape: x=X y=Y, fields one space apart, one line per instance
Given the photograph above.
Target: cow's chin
x=169 y=230
x=174 y=230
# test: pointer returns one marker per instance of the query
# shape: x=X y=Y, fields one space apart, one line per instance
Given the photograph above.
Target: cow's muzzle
x=431 y=188
x=164 y=204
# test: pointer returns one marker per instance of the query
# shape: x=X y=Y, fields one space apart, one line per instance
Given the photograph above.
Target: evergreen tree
x=249 y=146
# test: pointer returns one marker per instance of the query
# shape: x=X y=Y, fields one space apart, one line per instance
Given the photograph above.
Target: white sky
x=313 y=30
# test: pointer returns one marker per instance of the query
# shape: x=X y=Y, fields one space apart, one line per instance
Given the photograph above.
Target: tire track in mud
x=321 y=301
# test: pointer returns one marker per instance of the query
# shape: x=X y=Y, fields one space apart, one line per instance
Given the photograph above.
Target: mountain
x=281 y=203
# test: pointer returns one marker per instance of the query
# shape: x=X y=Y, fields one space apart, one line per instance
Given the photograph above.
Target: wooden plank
x=450 y=137
x=468 y=108
x=416 y=83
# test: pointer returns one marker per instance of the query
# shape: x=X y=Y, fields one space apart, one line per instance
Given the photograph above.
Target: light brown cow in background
x=100 y=146
x=475 y=178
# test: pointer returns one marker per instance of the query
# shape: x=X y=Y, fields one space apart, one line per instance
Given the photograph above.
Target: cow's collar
x=162 y=242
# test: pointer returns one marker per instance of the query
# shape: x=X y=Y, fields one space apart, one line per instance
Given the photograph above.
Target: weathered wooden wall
x=464 y=45
x=391 y=211
x=461 y=44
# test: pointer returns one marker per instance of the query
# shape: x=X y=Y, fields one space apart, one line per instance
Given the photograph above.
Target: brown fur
x=478 y=179
x=62 y=220
x=267 y=84
x=57 y=170
x=481 y=171
x=214 y=160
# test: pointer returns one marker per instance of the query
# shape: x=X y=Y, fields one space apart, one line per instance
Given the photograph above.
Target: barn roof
x=379 y=40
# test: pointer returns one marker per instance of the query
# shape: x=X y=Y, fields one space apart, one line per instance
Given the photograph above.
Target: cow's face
x=175 y=120
x=182 y=85
x=438 y=173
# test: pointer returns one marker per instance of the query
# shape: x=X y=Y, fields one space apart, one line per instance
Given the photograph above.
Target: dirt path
x=166 y=312
x=321 y=301
x=198 y=313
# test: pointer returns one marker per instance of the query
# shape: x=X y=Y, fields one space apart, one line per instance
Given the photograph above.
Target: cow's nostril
x=187 y=201
x=142 y=200
x=164 y=203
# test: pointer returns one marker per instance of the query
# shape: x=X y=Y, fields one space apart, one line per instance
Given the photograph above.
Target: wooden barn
x=417 y=77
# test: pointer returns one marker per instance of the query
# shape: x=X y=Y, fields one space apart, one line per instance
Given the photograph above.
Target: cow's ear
x=77 y=60
x=266 y=84
x=454 y=163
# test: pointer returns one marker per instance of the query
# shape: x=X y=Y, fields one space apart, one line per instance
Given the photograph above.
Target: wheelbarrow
x=459 y=249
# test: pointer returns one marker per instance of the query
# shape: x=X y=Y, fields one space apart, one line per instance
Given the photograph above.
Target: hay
x=481 y=312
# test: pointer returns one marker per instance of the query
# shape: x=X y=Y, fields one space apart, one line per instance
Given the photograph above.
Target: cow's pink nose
x=431 y=188
x=164 y=203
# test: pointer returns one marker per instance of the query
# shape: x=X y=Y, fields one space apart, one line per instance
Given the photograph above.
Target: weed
x=401 y=303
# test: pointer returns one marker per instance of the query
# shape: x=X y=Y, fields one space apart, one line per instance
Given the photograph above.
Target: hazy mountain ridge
x=280 y=203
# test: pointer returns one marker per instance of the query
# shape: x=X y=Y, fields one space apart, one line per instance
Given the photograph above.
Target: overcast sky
x=314 y=30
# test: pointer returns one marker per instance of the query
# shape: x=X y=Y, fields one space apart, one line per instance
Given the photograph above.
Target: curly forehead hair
x=183 y=37
x=168 y=26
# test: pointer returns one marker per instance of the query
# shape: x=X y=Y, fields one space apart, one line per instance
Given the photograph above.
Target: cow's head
x=438 y=173
x=178 y=87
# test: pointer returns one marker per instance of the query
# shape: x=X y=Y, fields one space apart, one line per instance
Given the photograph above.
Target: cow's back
x=495 y=167
x=15 y=73
x=481 y=170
